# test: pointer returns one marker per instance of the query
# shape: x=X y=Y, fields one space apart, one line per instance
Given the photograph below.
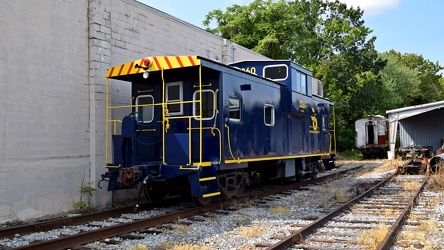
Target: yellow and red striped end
x=159 y=63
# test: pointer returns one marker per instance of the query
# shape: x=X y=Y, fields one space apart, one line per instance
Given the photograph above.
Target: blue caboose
x=199 y=125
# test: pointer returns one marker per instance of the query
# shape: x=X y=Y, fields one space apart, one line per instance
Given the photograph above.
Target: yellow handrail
x=164 y=120
x=200 y=114
x=106 y=123
x=220 y=140
x=334 y=129
x=229 y=145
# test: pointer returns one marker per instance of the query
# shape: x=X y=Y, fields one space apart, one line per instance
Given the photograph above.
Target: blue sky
x=407 y=26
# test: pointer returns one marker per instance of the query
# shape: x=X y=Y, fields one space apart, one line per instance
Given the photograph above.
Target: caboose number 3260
x=199 y=126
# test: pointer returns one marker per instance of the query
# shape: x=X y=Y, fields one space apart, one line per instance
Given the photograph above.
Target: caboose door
x=190 y=114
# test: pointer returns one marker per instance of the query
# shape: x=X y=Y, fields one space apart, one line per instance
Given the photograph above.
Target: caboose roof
x=158 y=63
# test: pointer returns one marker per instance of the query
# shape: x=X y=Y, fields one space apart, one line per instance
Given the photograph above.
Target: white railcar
x=372 y=136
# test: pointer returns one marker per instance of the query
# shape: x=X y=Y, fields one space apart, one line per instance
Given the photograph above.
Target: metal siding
x=425 y=129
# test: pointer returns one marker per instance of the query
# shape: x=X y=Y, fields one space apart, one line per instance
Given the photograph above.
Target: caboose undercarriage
x=230 y=183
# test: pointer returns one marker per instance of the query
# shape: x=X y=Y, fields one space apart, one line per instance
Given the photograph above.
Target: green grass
x=350 y=155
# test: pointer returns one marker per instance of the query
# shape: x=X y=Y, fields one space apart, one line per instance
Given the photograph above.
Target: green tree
x=400 y=82
x=428 y=73
x=328 y=37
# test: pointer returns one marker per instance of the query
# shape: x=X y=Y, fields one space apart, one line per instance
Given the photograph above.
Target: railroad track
x=124 y=230
x=380 y=210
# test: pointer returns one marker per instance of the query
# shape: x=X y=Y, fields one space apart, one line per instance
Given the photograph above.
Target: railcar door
x=190 y=133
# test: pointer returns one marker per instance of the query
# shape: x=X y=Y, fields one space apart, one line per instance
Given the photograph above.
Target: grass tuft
x=183 y=246
x=280 y=210
x=370 y=239
x=250 y=232
x=436 y=182
x=411 y=186
x=139 y=247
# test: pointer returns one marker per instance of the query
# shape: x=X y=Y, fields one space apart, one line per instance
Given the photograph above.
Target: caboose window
x=208 y=110
x=235 y=109
x=299 y=82
x=276 y=72
x=303 y=83
x=269 y=115
x=145 y=113
x=174 y=94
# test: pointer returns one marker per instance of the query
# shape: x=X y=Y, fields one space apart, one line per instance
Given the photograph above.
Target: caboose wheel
x=232 y=184
x=200 y=201
x=153 y=194
x=300 y=175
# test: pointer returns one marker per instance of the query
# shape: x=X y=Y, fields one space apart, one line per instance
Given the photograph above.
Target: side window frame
x=272 y=115
x=235 y=108
x=167 y=100
x=195 y=95
x=303 y=82
x=144 y=107
x=276 y=66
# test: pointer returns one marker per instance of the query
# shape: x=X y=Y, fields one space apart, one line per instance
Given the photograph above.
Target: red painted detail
x=180 y=61
x=168 y=62
x=191 y=60
x=130 y=68
x=121 y=68
x=157 y=63
x=111 y=73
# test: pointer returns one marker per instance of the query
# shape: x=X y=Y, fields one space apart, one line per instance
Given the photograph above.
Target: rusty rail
x=300 y=234
x=77 y=240
x=388 y=240
x=75 y=220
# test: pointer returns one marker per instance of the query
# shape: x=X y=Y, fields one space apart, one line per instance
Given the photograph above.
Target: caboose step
x=203 y=164
x=111 y=165
x=211 y=194
x=207 y=179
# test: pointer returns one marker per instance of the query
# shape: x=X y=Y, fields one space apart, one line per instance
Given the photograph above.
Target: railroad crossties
x=259 y=223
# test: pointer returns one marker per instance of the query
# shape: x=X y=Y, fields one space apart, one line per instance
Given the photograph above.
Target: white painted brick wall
x=52 y=91
x=44 y=110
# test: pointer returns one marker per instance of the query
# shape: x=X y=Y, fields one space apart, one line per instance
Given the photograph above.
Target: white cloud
x=373 y=7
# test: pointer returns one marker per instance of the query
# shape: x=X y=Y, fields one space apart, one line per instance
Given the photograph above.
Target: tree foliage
x=331 y=40
x=409 y=80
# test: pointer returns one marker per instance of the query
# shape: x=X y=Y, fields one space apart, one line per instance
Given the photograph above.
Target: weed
x=418 y=234
x=181 y=228
x=78 y=205
x=370 y=239
x=280 y=210
x=182 y=246
x=411 y=186
x=349 y=155
x=428 y=226
x=84 y=190
x=389 y=212
x=250 y=232
x=436 y=182
x=139 y=247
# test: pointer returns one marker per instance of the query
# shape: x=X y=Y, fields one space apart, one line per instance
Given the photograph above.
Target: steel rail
x=298 y=235
x=390 y=237
x=122 y=229
x=75 y=220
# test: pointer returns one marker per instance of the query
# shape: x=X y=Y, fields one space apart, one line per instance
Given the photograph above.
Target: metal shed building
x=418 y=125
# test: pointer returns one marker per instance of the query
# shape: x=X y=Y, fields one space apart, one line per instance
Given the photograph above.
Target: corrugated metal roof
x=406 y=112
x=419 y=125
